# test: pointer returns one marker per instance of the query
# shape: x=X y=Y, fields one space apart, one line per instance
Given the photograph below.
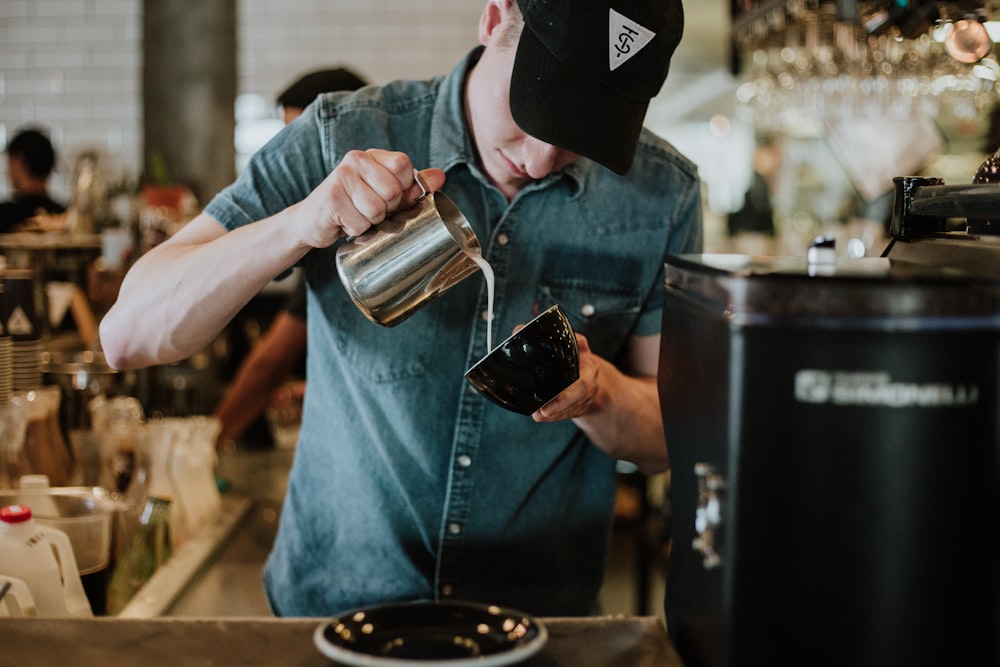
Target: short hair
x=310 y=86
x=511 y=31
x=32 y=146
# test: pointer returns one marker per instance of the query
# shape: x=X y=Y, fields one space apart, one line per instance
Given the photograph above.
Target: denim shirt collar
x=451 y=142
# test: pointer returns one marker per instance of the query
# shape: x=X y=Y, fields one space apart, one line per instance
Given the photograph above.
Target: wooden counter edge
x=618 y=641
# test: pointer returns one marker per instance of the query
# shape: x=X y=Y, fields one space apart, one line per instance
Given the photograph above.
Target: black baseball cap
x=585 y=71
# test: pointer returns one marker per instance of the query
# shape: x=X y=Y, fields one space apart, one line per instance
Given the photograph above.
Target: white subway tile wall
x=74 y=67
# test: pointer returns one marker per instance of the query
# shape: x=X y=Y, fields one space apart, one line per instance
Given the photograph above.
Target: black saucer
x=449 y=634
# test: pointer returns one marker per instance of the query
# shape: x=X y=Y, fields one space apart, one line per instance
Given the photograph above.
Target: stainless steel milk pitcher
x=413 y=257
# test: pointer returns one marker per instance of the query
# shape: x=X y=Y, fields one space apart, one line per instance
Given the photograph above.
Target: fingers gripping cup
x=413 y=257
x=530 y=368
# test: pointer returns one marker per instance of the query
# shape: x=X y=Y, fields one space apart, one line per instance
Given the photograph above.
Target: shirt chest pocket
x=375 y=353
x=601 y=294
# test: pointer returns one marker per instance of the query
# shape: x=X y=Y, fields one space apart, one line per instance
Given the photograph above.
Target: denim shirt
x=407 y=484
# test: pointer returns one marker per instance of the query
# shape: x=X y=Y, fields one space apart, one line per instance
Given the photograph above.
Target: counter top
x=607 y=641
x=50 y=240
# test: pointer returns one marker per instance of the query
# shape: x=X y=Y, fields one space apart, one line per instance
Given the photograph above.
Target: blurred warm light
x=720 y=125
x=968 y=42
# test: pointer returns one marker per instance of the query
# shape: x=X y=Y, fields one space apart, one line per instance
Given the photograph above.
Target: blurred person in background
x=30 y=162
x=294 y=99
x=279 y=353
x=757 y=214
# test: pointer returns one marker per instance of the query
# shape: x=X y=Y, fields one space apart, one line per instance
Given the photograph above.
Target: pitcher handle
x=424 y=191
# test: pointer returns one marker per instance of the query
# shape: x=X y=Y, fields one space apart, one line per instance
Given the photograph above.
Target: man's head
x=585 y=71
x=31 y=157
x=297 y=96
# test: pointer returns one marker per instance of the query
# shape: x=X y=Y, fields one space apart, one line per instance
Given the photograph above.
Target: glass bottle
x=148 y=549
x=152 y=541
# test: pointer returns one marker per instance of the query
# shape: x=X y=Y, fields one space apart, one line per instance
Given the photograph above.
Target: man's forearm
x=180 y=295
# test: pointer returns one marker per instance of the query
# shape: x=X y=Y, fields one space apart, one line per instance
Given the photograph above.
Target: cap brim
x=554 y=104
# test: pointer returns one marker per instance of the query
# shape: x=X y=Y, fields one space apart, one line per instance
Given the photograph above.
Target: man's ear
x=492 y=17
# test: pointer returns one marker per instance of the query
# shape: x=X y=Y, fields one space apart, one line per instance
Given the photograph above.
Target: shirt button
x=447 y=590
x=464 y=460
x=502 y=239
x=588 y=310
x=454 y=528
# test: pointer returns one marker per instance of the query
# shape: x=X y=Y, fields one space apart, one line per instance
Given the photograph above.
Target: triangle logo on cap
x=625 y=39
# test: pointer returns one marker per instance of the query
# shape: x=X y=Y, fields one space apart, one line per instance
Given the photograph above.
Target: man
x=30 y=161
x=283 y=346
x=406 y=483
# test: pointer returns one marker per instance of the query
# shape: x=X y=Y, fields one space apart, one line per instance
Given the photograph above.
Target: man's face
x=288 y=114
x=17 y=172
x=510 y=158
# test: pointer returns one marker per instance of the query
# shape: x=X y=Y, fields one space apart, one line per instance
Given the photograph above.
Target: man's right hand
x=364 y=189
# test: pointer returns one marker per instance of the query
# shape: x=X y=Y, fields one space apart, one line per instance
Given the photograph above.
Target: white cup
x=116 y=247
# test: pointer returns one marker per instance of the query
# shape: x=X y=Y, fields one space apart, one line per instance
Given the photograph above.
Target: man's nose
x=541 y=159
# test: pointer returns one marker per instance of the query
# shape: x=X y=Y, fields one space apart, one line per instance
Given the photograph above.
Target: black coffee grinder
x=833 y=427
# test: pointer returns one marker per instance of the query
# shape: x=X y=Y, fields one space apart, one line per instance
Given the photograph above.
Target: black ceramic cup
x=527 y=370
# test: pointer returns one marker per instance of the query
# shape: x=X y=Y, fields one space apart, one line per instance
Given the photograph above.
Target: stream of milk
x=488 y=274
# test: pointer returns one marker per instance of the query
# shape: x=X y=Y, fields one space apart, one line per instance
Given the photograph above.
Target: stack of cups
x=6 y=365
x=20 y=319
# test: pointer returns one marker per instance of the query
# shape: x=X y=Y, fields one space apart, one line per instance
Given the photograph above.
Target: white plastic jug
x=42 y=558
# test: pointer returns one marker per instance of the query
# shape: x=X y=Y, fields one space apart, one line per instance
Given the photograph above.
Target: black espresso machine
x=833 y=427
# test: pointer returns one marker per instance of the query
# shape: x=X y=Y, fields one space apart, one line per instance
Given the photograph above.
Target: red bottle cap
x=15 y=514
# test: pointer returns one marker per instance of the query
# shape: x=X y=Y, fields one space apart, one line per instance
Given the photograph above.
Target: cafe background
x=150 y=87
x=154 y=91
